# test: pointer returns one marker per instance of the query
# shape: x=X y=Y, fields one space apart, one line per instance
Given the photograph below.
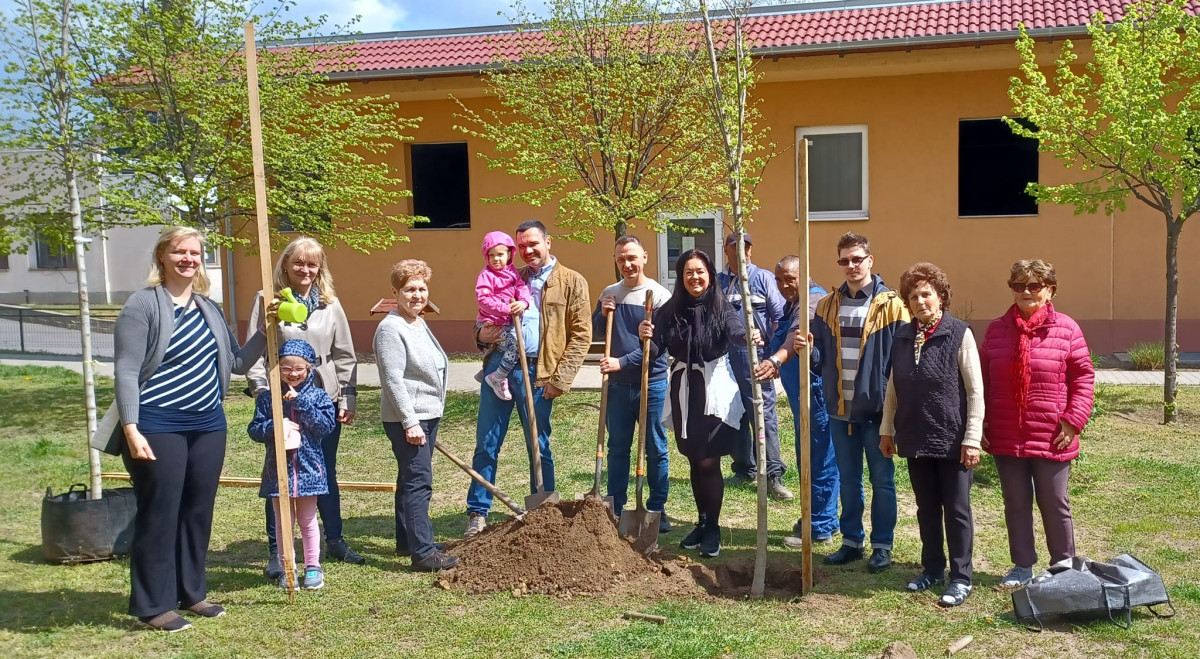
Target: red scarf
x=1020 y=364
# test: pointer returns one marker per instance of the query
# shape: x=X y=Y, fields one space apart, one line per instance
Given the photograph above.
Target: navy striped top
x=184 y=394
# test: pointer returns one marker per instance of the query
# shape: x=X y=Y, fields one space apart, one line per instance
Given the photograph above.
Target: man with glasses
x=767 y=305
x=852 y=344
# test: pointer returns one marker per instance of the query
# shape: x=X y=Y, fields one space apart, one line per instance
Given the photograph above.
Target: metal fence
x=51 y=333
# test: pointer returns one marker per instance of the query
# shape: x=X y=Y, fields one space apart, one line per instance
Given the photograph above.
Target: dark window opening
x=4 y=261
x=994 y=168
x=440 y=185
x=51 y=256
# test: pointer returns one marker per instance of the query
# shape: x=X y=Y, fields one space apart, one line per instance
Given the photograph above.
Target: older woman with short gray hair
x=412 y=373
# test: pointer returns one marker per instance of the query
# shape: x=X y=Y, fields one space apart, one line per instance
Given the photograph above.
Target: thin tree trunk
x=758 y=583
x=733 y=158
x=61 y=100
x=85 y=330
x=1170 y=331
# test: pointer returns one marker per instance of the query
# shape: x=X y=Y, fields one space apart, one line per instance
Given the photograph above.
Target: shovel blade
x=607 y=501
x=641 y=527
x=540 y=498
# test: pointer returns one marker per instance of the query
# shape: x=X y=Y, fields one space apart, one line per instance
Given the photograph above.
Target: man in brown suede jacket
x=557 y=331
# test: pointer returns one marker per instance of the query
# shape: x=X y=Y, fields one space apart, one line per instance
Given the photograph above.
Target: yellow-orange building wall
x=1111 y=269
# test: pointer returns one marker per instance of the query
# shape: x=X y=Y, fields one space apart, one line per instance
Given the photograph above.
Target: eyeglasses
x=287 y=370
x=855 y=260
x=1032 y=287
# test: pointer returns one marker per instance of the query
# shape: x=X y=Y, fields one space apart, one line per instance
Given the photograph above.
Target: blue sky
x=389 y=15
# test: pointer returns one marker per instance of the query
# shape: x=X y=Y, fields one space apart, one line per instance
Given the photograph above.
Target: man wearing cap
x=767 y=305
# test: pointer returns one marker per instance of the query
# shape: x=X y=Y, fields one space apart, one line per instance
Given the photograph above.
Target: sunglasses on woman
x=1032 y=287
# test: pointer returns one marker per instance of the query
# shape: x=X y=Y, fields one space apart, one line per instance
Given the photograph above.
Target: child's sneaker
x=499 y=385
x=314 y=577
x=479 y=375
x=283 y=582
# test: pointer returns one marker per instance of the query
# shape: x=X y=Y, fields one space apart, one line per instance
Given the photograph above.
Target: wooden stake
x=284 y=527
x=959 y=645
x=805 y=457
x=638 y=615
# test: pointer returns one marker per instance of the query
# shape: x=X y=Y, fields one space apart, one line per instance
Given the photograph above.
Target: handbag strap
x=1033 y=613
x=1127 y=608
x=1162 y=615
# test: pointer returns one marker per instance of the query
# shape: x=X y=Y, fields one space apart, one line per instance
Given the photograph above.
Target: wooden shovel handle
x=535 y=445
x=481 y=480
x=642 y=411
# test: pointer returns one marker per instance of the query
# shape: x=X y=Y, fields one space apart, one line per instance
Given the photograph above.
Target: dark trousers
x=1021 y=481
x=745 y=457
x=414 y=488
x=175 y=495
x=942 y=488
x=329 y=505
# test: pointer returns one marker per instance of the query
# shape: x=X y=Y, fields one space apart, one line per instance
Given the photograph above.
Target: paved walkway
x=462 y=374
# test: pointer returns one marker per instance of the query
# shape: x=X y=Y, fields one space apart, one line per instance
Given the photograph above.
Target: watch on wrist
x=775 y=360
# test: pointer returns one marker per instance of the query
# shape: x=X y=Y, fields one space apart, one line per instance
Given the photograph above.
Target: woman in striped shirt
x=174 y=354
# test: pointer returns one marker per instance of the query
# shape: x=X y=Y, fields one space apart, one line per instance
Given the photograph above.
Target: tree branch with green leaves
x=1129 y=117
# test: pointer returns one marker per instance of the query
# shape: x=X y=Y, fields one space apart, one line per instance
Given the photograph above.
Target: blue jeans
x=850 y=442
x=745 y=458
x=492 y=426
x=822 y=463
x=624 y=406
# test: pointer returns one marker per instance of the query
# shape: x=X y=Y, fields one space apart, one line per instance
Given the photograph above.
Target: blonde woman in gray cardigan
x=303 y=268
x=412 y=374
x=174 y=354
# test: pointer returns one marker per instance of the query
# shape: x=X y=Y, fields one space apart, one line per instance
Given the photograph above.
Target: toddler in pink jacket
x=501 y=293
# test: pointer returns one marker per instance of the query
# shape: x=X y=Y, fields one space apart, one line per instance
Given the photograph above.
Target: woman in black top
x=696 y=327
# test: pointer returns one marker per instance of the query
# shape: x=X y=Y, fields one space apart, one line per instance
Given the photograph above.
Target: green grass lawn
x=1134 y=489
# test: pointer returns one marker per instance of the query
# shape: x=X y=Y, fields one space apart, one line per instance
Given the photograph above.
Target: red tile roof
x=819 y=27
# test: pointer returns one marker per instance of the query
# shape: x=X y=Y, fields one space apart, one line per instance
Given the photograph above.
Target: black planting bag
x=76 y=529
x=1080 y=588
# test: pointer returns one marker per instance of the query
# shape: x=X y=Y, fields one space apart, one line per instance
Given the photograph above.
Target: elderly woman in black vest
x=933 y=416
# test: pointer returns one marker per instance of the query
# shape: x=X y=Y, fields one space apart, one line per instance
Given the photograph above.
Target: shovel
x=641 y=525
x=540 y=495
x=520 y=512
x=595 y=491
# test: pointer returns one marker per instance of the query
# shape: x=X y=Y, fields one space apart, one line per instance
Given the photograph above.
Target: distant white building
x=118 y=261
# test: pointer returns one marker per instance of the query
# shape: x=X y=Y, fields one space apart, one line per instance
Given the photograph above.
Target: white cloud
x=388 y=15
x=376 y=15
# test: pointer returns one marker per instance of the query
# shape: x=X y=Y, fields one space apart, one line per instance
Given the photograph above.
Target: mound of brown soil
x=569 y=548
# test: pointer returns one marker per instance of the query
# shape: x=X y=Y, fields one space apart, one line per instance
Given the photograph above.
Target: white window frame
x=829 y=216
x=666 y=274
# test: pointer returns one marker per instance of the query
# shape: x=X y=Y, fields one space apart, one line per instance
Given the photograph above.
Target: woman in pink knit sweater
x=1038 y=383
x=501 y=294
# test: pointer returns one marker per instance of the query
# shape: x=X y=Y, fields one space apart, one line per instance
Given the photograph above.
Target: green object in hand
x=291 y=311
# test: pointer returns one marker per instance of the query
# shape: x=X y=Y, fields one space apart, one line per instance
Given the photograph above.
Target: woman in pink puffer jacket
x=1038 y=382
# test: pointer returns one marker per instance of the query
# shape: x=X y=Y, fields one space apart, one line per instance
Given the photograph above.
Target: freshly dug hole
x=568 y=548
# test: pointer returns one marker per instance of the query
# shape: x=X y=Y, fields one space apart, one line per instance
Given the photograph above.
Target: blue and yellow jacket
x=886 y=313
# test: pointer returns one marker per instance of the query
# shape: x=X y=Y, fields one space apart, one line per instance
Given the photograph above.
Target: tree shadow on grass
x=31 y=612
